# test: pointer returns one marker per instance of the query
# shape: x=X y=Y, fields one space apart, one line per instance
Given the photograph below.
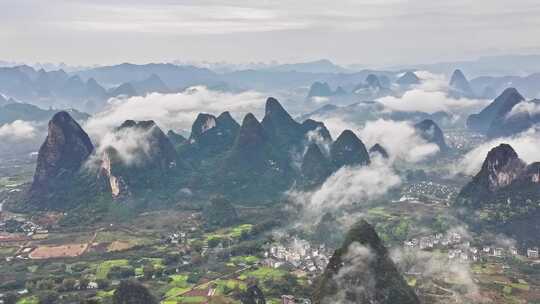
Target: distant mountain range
x=11 y=110
x=497 y=66
x=62 y=90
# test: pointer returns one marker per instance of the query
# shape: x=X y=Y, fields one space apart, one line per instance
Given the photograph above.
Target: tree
x=10 y=298
x=68 y=284
x=103 y=284
x=48 y=297
x=148 y=271
x=83 y=283
x=131 y=292
x=46 y=284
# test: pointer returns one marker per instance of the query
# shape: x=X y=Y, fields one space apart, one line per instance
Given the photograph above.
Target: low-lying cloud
x=525 y=144
x=131 y=144
x=399 y=138
x=19 y=130
x=173 y=111
x=530 y=107
x=346 y=187
x=431 y=96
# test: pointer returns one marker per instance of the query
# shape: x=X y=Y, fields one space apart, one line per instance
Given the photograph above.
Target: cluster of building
x=438 y=240
x=176 y=238
x=427 y=189
x=298 y=254
x=459 y=249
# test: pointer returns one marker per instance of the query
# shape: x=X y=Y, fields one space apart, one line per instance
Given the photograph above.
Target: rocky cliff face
x=62 y=154
x=500 y=168
x=153 y=161
x=361 y=271
x=349 y=150
x=506 y=192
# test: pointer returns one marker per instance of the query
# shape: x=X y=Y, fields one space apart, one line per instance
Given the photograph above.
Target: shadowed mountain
x=282 y=129
x=60 y=157
x=431 y=133
x=211 y=136
x=316 y=128
x=255 y=167
x=371 y=88
x=152 y=84
x=175 y=138
x=495 y=112
x=361 y=271
x=408 y=79
x=378 y=150
x=320 y=89
x=315 y=167
x=524 y=117
x=150 y=165
x=124 y=90
x=460 y=86
x=349 y=150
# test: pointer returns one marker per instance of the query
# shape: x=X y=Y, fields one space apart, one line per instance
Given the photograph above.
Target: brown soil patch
x=68 y=250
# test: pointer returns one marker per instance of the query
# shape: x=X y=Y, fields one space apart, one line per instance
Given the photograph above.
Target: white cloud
x=436 y=268
x=356 y=276
x=131 y=144
x=533 y=108
x=399 y=138
x=173 y=111
x=431 y=96
x=347 y=186
x=525 y=144
x=17 y=131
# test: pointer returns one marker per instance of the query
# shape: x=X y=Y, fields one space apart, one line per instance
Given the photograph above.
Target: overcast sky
x=373 y=32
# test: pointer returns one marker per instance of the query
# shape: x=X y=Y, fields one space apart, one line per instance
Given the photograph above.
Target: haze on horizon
x=370 y=32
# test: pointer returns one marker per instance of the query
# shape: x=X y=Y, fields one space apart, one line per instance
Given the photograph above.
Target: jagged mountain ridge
x=221 y=157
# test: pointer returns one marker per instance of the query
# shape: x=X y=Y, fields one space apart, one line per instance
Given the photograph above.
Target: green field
x=103 y=269
x=229 y=233
x=264 y=273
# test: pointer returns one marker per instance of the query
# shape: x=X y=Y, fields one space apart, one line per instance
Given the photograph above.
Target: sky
x=370 y=32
